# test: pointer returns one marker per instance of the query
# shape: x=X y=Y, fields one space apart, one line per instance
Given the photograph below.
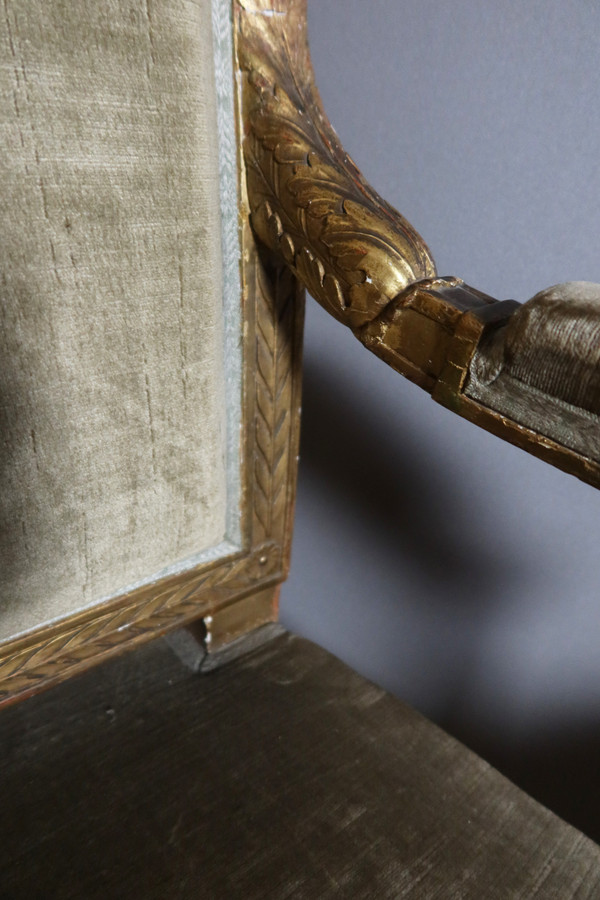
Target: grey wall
x=452 y=568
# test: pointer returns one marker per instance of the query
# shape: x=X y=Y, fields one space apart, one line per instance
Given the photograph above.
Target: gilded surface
x=353 y=252
x=272 y=308
x=368 y=267
x=371 y=270
x=271 y=447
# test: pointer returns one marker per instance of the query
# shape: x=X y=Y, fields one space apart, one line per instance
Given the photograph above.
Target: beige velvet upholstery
x=112 y=419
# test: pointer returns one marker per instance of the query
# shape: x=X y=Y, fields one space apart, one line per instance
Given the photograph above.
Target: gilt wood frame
x=321 y=225
x=237 y=592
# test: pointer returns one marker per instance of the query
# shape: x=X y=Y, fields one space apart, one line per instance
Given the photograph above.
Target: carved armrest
x=528 y=373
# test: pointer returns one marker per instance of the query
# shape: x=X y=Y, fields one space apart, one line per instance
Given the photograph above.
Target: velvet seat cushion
x=282 y=774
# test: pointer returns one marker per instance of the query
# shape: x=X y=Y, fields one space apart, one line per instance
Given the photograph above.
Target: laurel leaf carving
x=155 y=611
x=272 y=310
x=273 y=401
x=343 y=234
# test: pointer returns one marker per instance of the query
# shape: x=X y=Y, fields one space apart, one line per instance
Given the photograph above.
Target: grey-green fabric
x=112 y=420
x=543 y=368
x=281 y=776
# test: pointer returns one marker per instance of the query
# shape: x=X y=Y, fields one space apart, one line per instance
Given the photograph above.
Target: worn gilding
x=309 y=201
x=368 y=267
x=269 y=306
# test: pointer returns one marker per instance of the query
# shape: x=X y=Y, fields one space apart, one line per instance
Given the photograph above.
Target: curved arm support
x=308 y=200
x=530 y=374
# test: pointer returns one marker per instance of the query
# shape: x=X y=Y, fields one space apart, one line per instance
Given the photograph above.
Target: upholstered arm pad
x=543 y=367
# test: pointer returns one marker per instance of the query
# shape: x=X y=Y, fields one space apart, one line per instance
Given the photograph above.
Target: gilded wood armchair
x=171 y=186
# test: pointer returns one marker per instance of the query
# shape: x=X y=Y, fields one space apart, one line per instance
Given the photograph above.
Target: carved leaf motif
x=275 y=310
x=152 y=612
x=76 y=643
x=354 y=253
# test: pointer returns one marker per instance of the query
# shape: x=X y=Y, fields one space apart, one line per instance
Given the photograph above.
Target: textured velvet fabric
x=543 y=368
x=280 y=776
x=111 y=370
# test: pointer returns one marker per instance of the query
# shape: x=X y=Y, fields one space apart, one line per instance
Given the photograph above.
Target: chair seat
x=282 y=774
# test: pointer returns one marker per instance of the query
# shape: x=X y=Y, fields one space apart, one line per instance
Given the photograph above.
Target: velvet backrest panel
x=112 y=382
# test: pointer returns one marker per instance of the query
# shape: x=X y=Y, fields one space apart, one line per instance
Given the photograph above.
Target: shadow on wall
x=421 y=574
